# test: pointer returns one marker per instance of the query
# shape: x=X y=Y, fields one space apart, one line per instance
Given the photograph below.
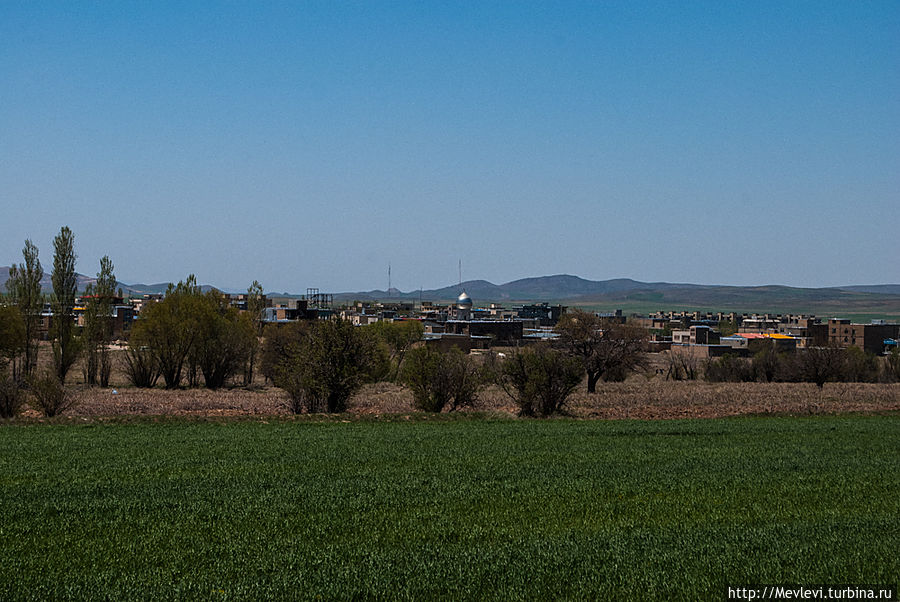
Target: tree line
x=321 y=364
x=817 y=365
x=191 y=338
x=20 y=320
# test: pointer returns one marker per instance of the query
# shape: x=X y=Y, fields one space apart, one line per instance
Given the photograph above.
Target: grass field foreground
x=450 y=509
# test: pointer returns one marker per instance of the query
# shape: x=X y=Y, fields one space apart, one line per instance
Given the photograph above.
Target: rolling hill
x=83 y=281
x=627 y=294
x=636 y=296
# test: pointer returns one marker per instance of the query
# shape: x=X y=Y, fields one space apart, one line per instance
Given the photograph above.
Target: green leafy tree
x=169 y=328
x=540 y=379
x=65 y=286
x=256 y=304
x=399 y=337
x=727 y=327
x=440 y=380
x=12 y=336
x=98 y=317
x=279 y=341
x=606 y=349
x=859 y=366
x=327 y=366
x=224 y=339
x=24 y=287
x=766 y=362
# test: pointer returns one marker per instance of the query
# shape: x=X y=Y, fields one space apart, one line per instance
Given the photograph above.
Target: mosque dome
x=464 y=301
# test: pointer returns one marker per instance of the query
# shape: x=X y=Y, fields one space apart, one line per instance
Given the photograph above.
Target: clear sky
x=313 y=143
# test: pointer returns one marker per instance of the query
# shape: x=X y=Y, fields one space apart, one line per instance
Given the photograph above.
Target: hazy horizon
x=313 y=144
x=302 y=290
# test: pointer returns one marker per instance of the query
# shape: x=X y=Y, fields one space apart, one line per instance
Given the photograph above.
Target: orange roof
x=756 y=335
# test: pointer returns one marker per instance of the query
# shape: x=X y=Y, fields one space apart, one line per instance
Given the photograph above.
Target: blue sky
x=313 y=143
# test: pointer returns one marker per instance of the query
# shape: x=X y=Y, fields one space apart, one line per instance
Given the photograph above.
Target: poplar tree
x=65 y=287
x=255 y=306
x=97 y=324
x=24 y=287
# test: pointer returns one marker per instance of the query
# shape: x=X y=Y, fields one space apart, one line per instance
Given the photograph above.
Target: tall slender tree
x=98 y=324
x=256 y=303
x=24 y=286
x=65 y=287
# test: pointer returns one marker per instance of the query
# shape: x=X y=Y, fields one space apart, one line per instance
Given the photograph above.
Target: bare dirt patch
x=638 y=398
x=658 y=399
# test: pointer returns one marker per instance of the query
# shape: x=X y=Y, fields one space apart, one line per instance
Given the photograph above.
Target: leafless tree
x=606 y=349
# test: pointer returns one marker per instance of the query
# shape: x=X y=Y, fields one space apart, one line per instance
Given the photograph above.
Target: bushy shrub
x=224 y=341
x=892 y=366
x=728 y=369
x=859 y=366
x=540 y=379
x=12 y=397
x=140 y=366
x=49 y=396
x=169 y=328
x=12 y=336
x=814 y=365
x=398 y=337
x=441 y=380
x=326 y=367
x=765 y=364
x=279 y=340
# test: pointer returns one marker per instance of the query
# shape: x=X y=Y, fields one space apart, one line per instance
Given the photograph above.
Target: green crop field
x=473 y=508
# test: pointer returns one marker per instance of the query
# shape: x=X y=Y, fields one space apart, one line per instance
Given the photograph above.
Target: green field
x=858 y=315
x=505 y=509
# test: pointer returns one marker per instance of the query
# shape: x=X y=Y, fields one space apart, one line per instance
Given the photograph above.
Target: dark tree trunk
x=593 y=377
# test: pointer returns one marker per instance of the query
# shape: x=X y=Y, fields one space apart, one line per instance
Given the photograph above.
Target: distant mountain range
x=621 y=292
x=83 y=281
x=566 y=287
x=649 y=296
x=545 y=288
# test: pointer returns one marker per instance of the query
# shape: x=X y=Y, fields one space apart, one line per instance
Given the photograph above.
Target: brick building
x=868 y=337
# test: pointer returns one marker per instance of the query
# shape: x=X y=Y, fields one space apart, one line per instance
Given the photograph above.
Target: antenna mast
x=389 y=279
x=460 y=273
